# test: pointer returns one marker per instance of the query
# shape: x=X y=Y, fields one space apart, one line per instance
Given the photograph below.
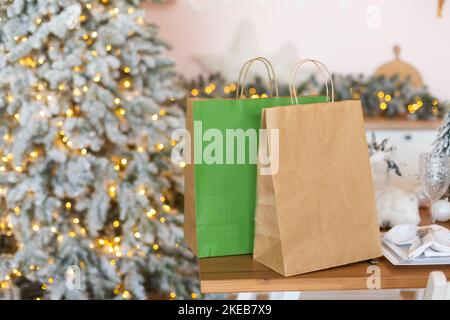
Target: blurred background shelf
x=401 y=124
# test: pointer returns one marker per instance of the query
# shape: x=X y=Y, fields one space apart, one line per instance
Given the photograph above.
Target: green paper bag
x=220 y=198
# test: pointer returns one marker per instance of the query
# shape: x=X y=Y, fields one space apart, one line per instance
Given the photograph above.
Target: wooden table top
x=243 y=274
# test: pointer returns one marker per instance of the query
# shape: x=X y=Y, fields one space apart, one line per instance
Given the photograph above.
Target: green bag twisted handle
x=273 y=83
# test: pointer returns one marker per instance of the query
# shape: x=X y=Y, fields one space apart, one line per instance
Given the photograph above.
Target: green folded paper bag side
x=225 y=194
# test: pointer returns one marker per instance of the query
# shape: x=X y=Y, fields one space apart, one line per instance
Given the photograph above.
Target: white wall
x=338 y=32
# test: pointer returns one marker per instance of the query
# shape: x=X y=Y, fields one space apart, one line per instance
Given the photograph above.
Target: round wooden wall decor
x=440 y=6
x=403 y=69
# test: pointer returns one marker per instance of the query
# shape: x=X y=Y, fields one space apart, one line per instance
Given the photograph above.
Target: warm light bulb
x=151 y=213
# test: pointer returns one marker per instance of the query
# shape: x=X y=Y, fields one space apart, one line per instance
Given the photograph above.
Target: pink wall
x=341 y=33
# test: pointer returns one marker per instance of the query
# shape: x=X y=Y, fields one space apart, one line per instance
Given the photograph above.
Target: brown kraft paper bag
x=317 y=210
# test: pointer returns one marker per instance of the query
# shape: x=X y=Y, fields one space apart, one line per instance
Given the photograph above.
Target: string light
x=28 y=62
x=112 y=191
x=126 y=83
x=97 y=77
x=76 y=92
x=151 y=213
x=142 y=191
x=126 y=295
x=120 y=111
x=140 y=20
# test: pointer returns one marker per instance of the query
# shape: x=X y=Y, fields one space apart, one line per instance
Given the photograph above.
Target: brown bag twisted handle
x=321 y=67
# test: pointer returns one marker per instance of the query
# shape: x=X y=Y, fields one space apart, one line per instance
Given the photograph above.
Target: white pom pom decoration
x=396 y=206
x=441 y=210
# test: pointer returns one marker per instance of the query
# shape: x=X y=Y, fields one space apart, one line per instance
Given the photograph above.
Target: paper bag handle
x=319 y=65
x=273 y=83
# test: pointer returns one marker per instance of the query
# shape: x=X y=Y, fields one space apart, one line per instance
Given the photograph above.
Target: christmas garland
x=388 y=97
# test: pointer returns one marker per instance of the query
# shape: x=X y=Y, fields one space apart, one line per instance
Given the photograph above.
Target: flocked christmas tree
x=89 y=196
x=442 y=143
